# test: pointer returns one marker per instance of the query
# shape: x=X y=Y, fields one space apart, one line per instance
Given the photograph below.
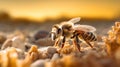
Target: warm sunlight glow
x=39 y=10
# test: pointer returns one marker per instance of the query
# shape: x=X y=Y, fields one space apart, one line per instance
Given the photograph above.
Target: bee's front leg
x=57 y=42
x=63 y=41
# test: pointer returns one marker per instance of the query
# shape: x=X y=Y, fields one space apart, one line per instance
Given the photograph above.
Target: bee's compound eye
x=59 y=30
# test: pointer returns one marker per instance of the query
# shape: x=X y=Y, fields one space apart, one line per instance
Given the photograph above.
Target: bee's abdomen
x=89 y=36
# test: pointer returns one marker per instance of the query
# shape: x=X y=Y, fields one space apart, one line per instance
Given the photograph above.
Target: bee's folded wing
x=86 y=28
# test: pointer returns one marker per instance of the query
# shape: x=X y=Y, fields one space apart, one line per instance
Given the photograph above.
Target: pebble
x=39 y=63
x=55 y=57
x=51 y=50
x=40 y=34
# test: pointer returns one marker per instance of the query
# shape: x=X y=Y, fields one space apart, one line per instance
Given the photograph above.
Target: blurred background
x=34 y=15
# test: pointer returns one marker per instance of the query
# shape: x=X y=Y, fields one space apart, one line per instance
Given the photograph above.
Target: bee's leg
x=76 y=42
x=78 y=45
x=89 y=44
x=63 y=42
x=57 y=42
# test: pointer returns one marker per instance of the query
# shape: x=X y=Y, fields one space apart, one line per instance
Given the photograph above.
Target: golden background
x=41 y=9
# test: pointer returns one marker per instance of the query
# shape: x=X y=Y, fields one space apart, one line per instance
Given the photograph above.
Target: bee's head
x=55 y=31
x=57 y=28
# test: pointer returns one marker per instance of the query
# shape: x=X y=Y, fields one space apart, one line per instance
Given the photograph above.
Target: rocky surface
x=19 y=49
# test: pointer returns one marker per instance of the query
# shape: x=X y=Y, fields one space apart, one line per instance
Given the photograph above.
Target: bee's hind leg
x=89 y=44
x=76 y=42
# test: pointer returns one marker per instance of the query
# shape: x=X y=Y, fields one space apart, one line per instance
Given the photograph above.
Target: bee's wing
x=86 y=28
x=75 y=20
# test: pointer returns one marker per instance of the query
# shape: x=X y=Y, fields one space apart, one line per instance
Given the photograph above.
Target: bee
x=59 y=31
x=68 y=30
